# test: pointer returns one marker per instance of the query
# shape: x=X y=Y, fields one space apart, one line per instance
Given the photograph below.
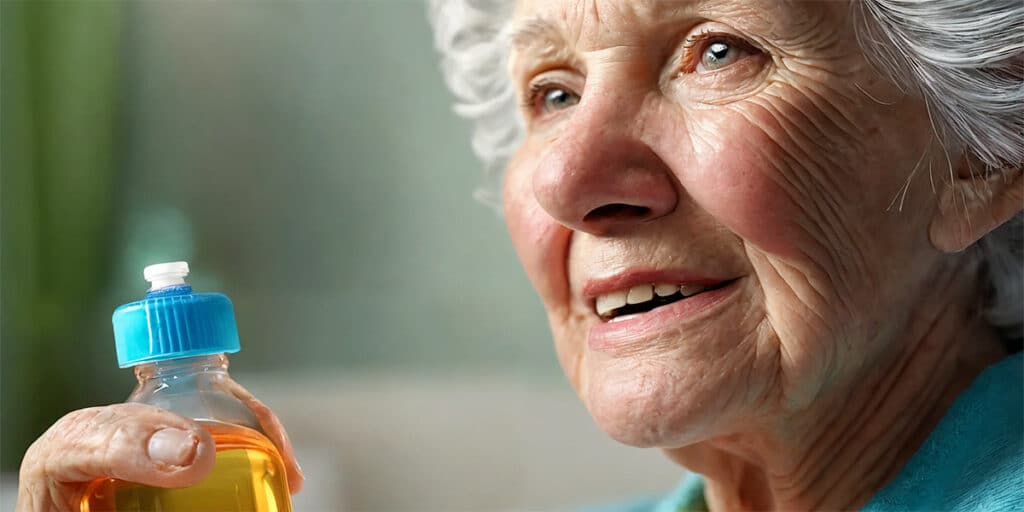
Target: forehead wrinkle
x=537 y=35
x=544 y=33
x=583 y=20
x=540 y=39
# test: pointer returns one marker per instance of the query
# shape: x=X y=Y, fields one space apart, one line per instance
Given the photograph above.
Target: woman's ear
x=973 y=205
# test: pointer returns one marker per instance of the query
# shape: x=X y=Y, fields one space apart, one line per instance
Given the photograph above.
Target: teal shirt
x=972 y=461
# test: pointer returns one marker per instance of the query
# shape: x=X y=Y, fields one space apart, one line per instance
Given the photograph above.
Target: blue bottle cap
x=172 y=321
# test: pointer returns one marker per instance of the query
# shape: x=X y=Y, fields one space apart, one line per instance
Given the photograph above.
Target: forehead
x=593 y=23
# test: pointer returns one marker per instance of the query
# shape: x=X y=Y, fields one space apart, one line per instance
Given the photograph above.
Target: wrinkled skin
x=133 y=442
x=775 y=165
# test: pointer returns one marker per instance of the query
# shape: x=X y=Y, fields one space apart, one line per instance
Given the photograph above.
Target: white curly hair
x=964 y=58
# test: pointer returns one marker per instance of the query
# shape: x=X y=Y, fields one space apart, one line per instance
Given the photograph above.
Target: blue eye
x=557 y=99
x=545 y=98
x=707 y=52
x=718 y=55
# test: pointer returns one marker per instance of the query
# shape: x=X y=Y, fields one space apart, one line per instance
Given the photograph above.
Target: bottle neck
x=196 y=387
x=172 y=368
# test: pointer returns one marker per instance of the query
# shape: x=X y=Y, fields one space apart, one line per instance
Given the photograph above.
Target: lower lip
x=609 y=336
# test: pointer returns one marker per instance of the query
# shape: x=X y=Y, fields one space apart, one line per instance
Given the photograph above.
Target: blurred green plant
x=58 y=100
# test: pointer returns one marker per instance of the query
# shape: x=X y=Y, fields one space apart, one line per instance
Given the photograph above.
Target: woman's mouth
x=636 y=309
x=627 y=303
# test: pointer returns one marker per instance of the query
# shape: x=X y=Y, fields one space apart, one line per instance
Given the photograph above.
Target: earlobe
x=972 y=206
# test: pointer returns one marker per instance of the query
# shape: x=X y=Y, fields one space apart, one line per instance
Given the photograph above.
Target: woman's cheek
x=739 y=178
x=540 y=242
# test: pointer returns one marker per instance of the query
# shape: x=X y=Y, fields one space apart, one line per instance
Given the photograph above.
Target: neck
x=852 y=442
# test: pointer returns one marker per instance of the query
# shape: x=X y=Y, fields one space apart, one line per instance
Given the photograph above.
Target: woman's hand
x=133 y=442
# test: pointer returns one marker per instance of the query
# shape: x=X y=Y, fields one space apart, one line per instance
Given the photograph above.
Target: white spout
x=163 y=275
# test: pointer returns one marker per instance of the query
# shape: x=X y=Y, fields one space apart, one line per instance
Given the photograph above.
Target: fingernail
x=173 y=447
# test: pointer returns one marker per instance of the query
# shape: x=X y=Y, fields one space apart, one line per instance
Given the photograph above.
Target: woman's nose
x=600 y=179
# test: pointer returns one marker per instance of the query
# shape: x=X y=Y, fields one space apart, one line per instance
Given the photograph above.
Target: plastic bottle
x=177 y=341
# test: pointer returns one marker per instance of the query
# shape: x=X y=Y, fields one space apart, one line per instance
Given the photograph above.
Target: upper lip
x=596 y=287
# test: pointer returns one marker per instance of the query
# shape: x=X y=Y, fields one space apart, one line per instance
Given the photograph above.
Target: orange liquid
x=248 y=476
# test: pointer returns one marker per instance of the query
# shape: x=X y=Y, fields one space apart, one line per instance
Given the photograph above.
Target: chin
x=647 y=404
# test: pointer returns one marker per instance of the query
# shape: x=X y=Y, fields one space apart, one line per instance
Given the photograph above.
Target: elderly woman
x=779 y=240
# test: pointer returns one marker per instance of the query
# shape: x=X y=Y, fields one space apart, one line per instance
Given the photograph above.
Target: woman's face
x=740 y=147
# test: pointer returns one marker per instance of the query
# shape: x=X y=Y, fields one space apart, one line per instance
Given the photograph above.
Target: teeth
x=609 y=302
x=640 y=293
x=624 y=317
x=664 y=290
x=689 y=289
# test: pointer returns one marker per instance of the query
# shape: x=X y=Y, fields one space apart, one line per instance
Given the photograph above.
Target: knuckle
x=31 y=468
x=62 y=436
x=123 y=442
x=71 y=422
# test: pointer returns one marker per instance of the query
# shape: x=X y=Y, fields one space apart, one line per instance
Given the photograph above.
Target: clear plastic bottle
x=177 y=341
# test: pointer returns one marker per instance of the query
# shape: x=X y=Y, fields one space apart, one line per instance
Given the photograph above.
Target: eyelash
x=536 y=89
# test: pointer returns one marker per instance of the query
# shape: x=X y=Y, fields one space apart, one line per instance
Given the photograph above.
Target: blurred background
x=303 y=157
